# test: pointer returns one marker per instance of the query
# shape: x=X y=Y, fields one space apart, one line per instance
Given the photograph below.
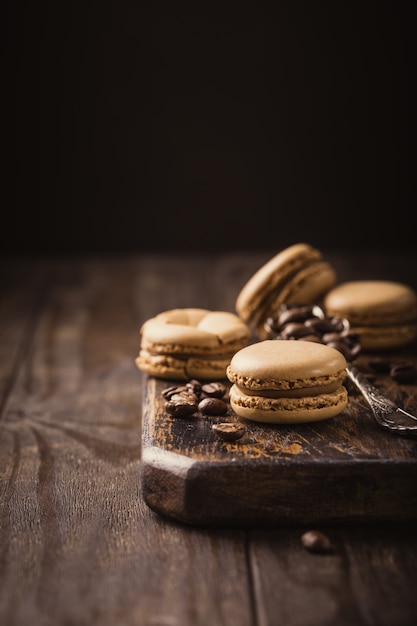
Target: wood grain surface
x=78 y=543
x=342 y=470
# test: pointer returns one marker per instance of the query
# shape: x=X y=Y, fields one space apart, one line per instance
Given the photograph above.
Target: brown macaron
x=382 y=313
x=287 y=382
x=190 y=343
x=297 y=274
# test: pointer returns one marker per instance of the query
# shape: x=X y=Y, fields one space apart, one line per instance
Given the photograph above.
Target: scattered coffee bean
x=400 y=371
x=229 y=431
x=403 y=372
x=184 y=396
x=316 y=541
x=170 y=391
x=212 y=406
x=214 y=390
x=180 y=408
x=194 y=386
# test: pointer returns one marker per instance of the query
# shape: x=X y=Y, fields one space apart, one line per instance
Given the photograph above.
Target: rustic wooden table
x=79 y=545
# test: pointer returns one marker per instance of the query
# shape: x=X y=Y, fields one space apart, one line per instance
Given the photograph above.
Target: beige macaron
x=297 y=274
x=287 y=382
x=382 y=313
x=190 y=343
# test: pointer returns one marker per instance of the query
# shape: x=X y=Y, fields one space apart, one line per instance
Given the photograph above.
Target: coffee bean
x=214 y=390
x=351 y=337
x=180 y=408
x=341 y=346
x=313 y=338
x=184 y=396
x=271 y=326
x=295 y=330
x=355 y=349
x=316 y=541
x=331 y=337
x=195 y=386
x=229 y=431
x=319 y=325
x=169 y=391
x=403 y=372
x=296 y=314
x=339 y=324
x=212 y=406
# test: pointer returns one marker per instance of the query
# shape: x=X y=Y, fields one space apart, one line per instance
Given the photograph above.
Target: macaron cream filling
x=333 y=399
x=185 y=350
x=253 y=296
x=295 y=287
x=306 y=388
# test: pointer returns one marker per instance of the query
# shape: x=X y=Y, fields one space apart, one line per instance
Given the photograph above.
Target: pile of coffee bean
x=208 y=399
x=310 y=323
x=194 y=396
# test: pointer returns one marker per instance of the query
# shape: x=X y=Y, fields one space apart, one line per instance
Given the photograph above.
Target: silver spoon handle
x=376 y=400
x=387 y=414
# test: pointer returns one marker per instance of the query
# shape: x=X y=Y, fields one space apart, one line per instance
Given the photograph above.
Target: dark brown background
x=129 y=128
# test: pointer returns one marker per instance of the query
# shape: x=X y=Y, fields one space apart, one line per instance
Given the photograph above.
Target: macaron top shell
x=192 y=327
x=372 y=302
x=280 y=364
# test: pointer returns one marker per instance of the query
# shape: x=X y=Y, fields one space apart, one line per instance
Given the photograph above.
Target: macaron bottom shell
x=169 y=367
x=283 y=410
x=385 y=337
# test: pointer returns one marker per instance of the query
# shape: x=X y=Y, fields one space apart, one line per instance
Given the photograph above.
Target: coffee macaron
x=297 y=274
x=287 y=382
x=186 y=343
x=382 y=313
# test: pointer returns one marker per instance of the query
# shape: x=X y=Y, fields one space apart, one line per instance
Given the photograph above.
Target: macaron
x=297 y=274
x=382 y=313
x=190 y=343
x=287 y=382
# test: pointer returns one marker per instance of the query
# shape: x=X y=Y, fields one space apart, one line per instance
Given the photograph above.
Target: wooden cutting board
x=343 y=470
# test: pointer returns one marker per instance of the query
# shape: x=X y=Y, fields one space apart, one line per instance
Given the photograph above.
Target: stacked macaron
x=287 y=382
x=382 y=313
x=190 y=343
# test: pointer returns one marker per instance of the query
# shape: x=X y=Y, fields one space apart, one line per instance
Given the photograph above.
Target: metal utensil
x=387 y=414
